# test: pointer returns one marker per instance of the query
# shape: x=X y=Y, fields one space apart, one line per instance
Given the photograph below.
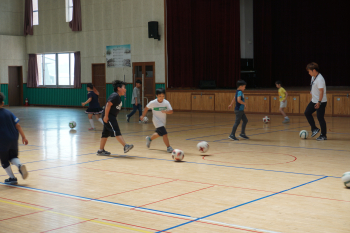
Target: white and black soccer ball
x=177 y=155
x=304 y=134
x=145 y=120
x=346 y=179
x=72 y=124
x=203 y=146
x=266 y=119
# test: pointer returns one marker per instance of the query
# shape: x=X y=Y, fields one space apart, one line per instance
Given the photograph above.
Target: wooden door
x=341 y=105
x=99 y=81
x=15 y=85
x=147 y=69
x=203 y=102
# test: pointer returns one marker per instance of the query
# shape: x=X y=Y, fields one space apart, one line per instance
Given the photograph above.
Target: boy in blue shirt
x=239 y=111
x=9 y=128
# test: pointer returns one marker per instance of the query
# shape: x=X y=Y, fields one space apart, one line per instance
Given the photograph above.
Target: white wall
x=246 y=23
x=11 y=17
x=104 y=22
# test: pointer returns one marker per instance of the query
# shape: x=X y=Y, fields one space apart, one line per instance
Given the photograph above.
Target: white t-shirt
x=159 y=118
x=316 y=85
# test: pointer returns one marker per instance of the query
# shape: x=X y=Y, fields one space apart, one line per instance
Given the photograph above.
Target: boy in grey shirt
x=135 y=101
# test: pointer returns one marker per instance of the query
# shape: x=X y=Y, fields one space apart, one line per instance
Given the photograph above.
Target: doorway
x=147 y=69
x=99 y=81
x=15 y=88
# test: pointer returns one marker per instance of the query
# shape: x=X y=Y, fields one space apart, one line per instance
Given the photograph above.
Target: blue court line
x=243 y=204
x=96 y=200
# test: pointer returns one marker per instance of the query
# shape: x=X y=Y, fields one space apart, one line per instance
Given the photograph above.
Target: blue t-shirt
x=239 y=107
x=94 y=100
x=8 y=131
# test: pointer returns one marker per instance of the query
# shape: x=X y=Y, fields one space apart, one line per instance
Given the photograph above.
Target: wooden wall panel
x=257 y=103
x=329 y=108
x=179 y=100
x=275 y=104
x=341 y=105
x=203 y=102
x=292 y=104
x=223 y=100
x=304 y=100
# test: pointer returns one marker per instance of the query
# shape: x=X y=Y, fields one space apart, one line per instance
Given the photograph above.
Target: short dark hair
x=89 y=85
x=312 y=66
x=160 y=91
x=278 y=82
x=118 y=83
x=2 y=97
x=139 y=81
x=241 y=83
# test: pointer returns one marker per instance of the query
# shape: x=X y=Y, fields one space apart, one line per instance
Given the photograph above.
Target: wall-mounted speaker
x=153 y=30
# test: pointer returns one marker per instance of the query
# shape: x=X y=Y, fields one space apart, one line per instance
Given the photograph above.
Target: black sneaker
x=314 y=132
x=128 y=147
x=321 y=138
x=23 y=171
x=243 y=136
x=11 y=181
x=103 y=152
x=233 y=138
x=127 y=118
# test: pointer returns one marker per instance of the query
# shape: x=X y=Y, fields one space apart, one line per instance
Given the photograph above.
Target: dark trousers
x=240 y=115
x=134 y=109
x=310 y=109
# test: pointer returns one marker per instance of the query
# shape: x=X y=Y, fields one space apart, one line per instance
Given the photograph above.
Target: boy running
x=135 y=101
x=160 y=108
x=9 y=128
x=283 y=100
x=109 y=115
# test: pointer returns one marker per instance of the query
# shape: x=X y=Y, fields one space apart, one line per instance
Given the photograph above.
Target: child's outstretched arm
x=86 y=102
x=233 y=100
x=144 y=113
x=168 y=111
x=20 y=130
x=96 y=91
x=107 y=109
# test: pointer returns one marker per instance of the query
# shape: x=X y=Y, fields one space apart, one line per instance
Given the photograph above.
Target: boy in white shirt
x=160 y=108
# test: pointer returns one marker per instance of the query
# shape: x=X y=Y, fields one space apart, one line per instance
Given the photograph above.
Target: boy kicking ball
x=160 y=108
x=283 y=100
x=9 y=129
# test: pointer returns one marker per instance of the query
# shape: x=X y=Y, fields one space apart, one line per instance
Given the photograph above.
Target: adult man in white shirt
x=318 y=102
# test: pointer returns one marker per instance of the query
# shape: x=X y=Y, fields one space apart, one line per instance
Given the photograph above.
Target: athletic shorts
x=161 y=131
x=7 y=156
x=110 y=129
x=283 y=104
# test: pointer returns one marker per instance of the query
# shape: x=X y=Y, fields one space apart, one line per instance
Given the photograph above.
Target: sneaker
x=169 y=149
x=91 y=129
x=286 y=120
x=148 y=141
x=140 y=122
x=321 y=138
x=103 y=152
x=127 y=118
x=23 y=171
x=233 y=138
x=314 y=132
x=128 y=147
x=243 y=136
x=11 y=181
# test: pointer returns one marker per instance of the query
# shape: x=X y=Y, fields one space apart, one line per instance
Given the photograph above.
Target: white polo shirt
x=316 y=85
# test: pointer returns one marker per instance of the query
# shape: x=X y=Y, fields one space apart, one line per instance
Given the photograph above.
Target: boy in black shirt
x=109 y=115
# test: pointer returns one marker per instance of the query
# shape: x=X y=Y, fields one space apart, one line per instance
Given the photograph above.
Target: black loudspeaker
x=153 y=30
x=207 y=84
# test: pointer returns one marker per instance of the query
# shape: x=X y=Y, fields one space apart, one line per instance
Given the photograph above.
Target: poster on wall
x=118 y=55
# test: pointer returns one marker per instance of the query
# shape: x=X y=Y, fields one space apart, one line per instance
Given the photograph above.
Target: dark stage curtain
x=76 y=23
x=203 y=42
x=302 y=32
x=28 y=17
x=77 y=70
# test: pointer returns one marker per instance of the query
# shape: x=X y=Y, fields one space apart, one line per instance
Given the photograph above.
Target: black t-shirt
x=94 y=100
x=8 y=130
x=114 y=98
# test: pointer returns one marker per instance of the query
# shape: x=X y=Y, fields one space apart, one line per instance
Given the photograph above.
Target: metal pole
x=143 y=91
x=125 y=95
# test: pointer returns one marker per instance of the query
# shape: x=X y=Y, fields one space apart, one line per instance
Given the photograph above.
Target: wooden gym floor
x=274 y=182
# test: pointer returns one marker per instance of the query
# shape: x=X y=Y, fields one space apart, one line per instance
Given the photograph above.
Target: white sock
x=286 y=117
x=100 y=120
x=16 y=162
x=9 y=172
x=92 y=123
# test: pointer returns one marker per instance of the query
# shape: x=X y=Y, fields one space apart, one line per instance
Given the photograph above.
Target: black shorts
x=7 y=156
x=111 y=129
x=161 y=131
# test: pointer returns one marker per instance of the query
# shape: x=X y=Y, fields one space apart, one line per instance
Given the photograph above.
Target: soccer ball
x=203 y=146
x=303 y=134
x=346 y=179
x=72 y=124
x=178 y=155
x=145 y=120
x=266 y=119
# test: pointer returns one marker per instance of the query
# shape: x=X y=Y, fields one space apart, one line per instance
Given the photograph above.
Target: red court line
x=22 y=215
x=133 y=225
x=58 y=177
x=26 y=203
x=135 y=189
x=70 y=225
x=291 y=161
x=174 y=196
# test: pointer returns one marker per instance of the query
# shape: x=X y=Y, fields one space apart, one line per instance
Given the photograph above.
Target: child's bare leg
x=121 y=140
x=103 y=143
x=90 y=116
x=166 y=140
x=283 y=113
x=154 y=136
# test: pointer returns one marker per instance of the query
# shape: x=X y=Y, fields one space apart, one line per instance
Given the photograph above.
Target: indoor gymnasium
x=174 y=116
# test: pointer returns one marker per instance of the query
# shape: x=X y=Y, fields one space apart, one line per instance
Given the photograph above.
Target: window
x=56 y=69
x=35 y=12
x=69 y=10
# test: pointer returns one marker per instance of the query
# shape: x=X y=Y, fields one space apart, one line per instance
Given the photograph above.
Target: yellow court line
x=76 y=217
